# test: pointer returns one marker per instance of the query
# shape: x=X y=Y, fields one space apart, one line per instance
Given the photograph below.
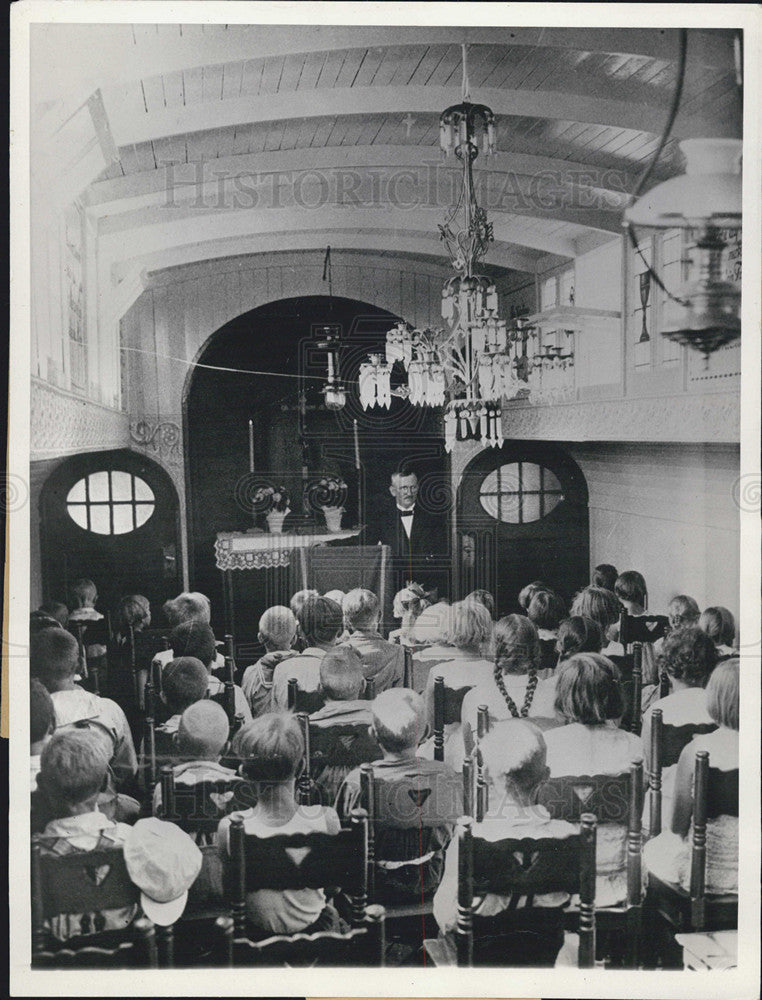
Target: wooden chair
x=668 y=905
x=667 y=743
x=303 y=701
x=447 y=706
x=475 y=788
x=199 y=808
x=522 y=868
x=641 y=628
x=664 y=684
x=407 y=811
x=360 y=946
x=302 y=861
x=631 y=682
x=147 y=766
x=334 y=751
x=613 y=798
x=407 y=674
x=89 y=882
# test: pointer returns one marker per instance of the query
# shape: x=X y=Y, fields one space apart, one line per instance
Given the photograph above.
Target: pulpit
x=294 y=562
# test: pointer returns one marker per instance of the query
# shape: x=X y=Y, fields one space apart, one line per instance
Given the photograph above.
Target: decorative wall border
x=64 y=424
x=695 y=418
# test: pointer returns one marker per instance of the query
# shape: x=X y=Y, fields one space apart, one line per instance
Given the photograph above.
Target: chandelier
x=466 y=366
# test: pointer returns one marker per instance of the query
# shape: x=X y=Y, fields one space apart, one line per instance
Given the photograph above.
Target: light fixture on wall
x=466 y=367
x=706 y=200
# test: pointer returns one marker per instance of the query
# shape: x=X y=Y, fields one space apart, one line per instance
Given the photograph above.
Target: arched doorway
x=111 y=516
x=523 y=516
x=291 y=433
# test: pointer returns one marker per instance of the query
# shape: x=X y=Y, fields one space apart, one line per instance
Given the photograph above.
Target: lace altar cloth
x=243 y=550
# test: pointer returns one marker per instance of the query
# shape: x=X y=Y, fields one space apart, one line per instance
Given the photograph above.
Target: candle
x=357 y=447
x=251 y=445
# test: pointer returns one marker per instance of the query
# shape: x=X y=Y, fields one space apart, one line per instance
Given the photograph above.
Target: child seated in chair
x=85 y=616
x=73 y=772
x=320 y=623
x=186 y=607
x=272 y=750
x=341 y=685
x=184 y=682
x=195 y=639
x=668 y=856
x=42 y=724
x=630 y=588
x=383 y=662
x=409 y=855
x=277 y=633
x=54 y=659
x=200 y=741
x=513 y=755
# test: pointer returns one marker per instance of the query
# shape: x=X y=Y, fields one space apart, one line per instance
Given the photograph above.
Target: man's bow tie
x=407 y=513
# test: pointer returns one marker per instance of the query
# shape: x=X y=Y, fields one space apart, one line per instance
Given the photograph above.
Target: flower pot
x=333 y=518
x=275 y=521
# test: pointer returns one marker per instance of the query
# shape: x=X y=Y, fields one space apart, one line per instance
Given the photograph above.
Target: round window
x=520 y=492
x=110 y=502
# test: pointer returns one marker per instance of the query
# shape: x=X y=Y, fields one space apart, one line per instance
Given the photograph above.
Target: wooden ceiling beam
x=127 y=126
x=502 y=255
x=83 y=57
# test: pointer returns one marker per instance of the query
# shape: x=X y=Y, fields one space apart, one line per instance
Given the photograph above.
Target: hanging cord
x=328 y=274
x=645 y=176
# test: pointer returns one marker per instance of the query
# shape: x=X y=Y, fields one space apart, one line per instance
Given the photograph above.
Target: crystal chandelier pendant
x=466 y=366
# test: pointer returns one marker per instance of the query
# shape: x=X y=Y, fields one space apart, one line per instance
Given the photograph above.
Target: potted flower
x=330 y=494
x=274 y=500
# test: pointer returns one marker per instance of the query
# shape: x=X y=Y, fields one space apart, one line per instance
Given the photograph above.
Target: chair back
x=79 y=882
x=147 y=771
x=198 y=808
x=360 y=946
x=447 y=706
x=410 y=803
x=667 y=743
x=722 y=793
x=525 y=868
x=230 y=664
x=342 y=746
x=407 y=674
x=713 y=794
x=136 y=949
x=641 y=628
x=613 y=798
x=299 y=861
x=631 y=684
x=606 y=795
x=664 y=684
x=303 y=701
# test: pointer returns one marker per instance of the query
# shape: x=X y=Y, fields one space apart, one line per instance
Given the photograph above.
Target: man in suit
x=417 y=537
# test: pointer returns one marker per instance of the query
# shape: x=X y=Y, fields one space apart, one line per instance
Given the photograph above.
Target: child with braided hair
x=516 y=690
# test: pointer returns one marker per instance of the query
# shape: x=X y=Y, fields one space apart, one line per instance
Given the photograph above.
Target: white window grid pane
x=121 y=486
x=98 y=486
x=142 y=490
x=100 y=520
x=142 y=513
x=123 y=518
x=77 y=493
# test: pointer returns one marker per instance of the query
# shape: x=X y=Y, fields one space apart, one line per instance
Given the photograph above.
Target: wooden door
x=522 y=516
x=112 y=517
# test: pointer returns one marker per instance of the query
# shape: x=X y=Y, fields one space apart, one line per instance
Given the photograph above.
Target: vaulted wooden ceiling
x=200 y=109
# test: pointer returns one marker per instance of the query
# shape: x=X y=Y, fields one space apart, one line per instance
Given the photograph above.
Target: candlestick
x=251 y=445
x=357 y=446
